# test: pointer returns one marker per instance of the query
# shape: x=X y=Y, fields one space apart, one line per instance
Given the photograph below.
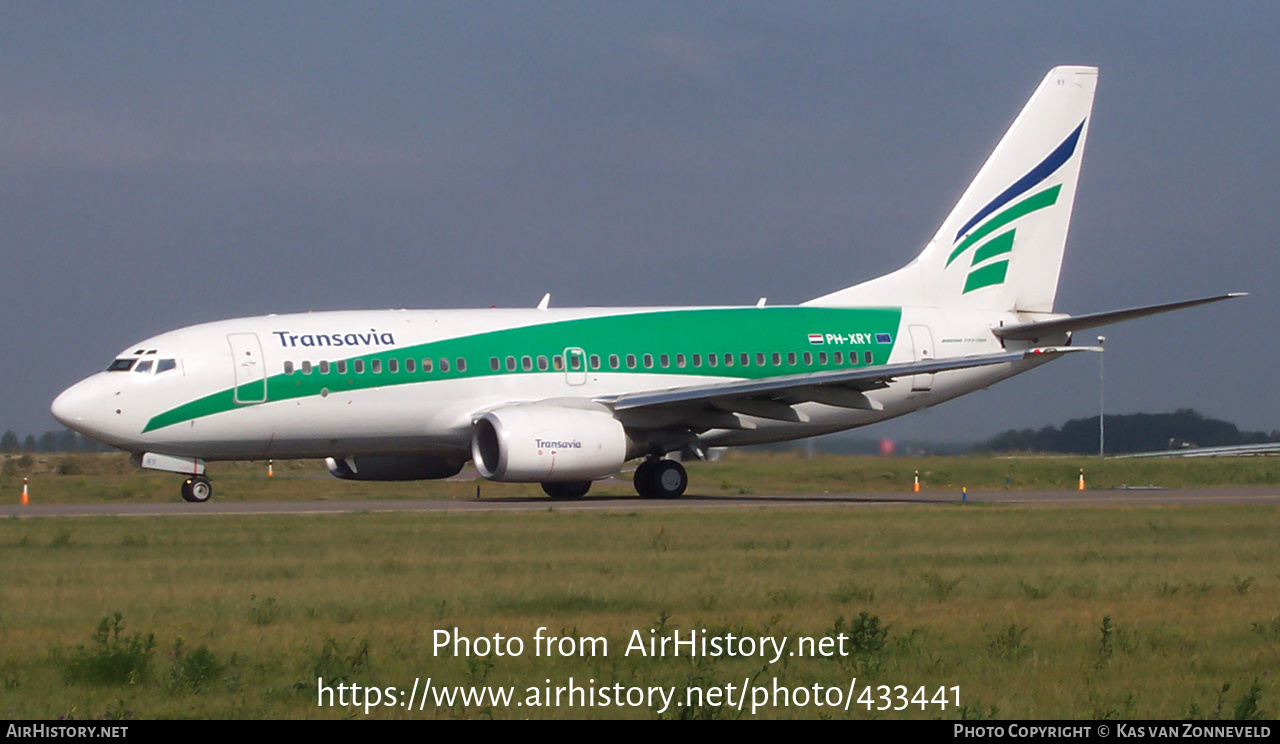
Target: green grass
x=110 y=478
x=1034 y=612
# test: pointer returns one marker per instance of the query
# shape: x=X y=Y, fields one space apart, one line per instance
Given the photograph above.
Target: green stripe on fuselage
x=671 y=332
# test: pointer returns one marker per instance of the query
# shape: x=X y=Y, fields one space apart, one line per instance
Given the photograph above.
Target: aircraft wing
x=773 y=397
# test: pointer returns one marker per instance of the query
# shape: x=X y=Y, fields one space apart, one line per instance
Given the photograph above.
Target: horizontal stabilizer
x=1044 y=328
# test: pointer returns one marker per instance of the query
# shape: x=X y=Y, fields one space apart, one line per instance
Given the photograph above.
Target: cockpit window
x=164 y=365
x=121 y=365
x=143 y=366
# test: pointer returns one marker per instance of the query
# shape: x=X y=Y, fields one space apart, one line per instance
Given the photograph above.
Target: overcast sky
x=163 y=164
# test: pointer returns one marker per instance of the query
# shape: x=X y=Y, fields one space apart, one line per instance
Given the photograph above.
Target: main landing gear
x=654 y=479
x=197 y=489
x=661 y=479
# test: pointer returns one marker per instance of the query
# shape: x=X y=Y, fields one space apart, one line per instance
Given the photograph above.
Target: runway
x=1094 y=498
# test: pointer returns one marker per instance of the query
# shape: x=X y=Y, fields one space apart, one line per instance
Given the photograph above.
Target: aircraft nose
x=79 y=407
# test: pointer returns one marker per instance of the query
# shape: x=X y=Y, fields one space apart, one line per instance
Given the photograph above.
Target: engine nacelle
x=392 y=467
x=542 y=443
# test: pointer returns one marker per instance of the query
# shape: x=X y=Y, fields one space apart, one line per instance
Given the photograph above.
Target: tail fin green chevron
x=1001 y=246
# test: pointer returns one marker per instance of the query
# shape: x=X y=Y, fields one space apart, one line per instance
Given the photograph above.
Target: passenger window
x=526 y=363
x=143 y=366
x=664 y=360
x=461 y=364
x=575 y=362
x=324 y=368
x=760 y=359
x=557 y=361
x=393 y=366
x=744 y=359
x=613 y=361
x=631 y=361
x=728 y=360
x=777 y=359
x=808 y=357
x=408 y=366
x=426 y=365
x=680 y=360
x=712 y=360
x=822 y=357
x=866 y=357
x=791 y=358
x=595 y=361
x=697 y=360
x=648 y=361
x=495 y=364
x=288 y=368
x=839 y=357
x=375 y=366
x=511 y=364
x=357 y=365
x=306 y=368
x=342 y=367
x=444 y=364
x=543 y=364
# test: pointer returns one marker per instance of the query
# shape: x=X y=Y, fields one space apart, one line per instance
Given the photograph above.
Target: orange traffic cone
x=271 y=471
x=24 y=491
x=1081 y=479
x=916 y=488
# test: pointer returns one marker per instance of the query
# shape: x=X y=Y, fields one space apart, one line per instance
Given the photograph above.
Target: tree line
x=1135 y=432
x=51 y=441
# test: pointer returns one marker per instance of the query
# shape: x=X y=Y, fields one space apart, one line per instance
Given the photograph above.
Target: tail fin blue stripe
x=1061 y=154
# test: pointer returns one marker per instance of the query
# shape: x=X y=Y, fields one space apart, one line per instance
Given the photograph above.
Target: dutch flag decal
x=815 y=338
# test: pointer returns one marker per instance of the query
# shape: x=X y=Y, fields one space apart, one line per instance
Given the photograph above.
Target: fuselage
x=563 y=397
x=409 y=381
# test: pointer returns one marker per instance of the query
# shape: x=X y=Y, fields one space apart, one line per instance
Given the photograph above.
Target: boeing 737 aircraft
x=563 y=397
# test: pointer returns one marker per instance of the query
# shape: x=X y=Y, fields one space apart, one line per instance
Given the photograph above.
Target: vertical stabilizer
x=1001 y=246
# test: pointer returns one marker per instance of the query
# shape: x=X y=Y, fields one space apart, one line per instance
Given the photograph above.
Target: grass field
x=1032 y=612
x=104 y=478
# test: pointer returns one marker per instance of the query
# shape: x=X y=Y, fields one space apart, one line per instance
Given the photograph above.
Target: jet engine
x=542 y=442
x=392 y=467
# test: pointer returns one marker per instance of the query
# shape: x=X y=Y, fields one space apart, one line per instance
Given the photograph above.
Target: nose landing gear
x=196 y=488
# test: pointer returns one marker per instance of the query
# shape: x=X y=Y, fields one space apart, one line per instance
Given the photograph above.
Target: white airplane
x=563 y=397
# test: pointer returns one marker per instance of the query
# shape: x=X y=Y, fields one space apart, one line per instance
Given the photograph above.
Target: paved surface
x=1133 y=497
